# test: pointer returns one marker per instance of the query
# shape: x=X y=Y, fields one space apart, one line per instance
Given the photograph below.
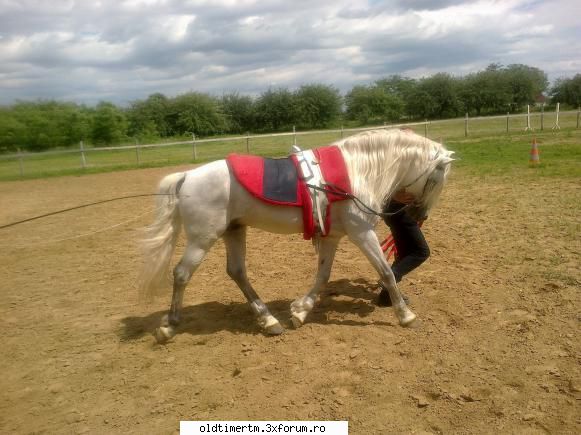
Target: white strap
x=311 y=173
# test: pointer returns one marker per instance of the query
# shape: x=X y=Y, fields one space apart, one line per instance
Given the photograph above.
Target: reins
x=336 y=190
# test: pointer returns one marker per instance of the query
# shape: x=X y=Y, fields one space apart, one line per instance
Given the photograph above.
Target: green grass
x=487 y=151
x=560 y=155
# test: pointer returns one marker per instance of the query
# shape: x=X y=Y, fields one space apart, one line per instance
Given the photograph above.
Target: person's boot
x=383 y=300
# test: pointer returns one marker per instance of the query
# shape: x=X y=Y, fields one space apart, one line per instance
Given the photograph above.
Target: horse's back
x=212 y=198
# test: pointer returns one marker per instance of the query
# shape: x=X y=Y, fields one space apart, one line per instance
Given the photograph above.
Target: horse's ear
x=444 y=161
x=447 y=159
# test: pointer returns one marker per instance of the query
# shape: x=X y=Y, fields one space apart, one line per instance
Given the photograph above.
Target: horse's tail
x=160 y=239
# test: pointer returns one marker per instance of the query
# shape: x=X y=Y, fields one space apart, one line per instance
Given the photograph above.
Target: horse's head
x=427 y=186
x=382 y=162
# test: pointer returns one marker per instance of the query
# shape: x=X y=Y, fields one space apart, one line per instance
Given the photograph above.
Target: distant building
x=540 y=100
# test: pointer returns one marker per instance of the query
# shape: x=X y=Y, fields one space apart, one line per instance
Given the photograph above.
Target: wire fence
x=83 y=158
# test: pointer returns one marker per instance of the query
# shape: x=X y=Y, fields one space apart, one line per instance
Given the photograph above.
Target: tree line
x=41 y=125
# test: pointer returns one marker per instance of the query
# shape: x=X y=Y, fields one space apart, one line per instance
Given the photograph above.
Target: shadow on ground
x=340 y=298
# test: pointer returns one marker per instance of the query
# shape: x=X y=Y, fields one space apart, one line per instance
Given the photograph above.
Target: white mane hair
x=377 y=159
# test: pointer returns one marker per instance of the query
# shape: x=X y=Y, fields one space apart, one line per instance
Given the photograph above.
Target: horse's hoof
x=410 y=322
x=270 y=325
x=164 y=333
x=275 y=329
x=297 y=323
x=414 y=324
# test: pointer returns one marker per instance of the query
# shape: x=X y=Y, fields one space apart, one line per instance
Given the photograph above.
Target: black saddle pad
x=279 y=182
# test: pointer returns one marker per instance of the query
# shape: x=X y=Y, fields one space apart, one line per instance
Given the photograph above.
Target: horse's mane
x=376 y=159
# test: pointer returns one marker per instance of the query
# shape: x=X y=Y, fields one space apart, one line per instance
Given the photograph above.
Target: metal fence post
x=294 y=136
x=247 y=142
x=20 y=164
x=341 y=131
x=507 y=118
x=137 y=151
x=426 y=128
x=83 y=158
x=466 y=125
x=195 y=151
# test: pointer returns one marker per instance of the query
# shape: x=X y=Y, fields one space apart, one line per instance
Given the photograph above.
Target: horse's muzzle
x=418 y=213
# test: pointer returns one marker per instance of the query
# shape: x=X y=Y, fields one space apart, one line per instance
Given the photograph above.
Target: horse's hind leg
x=193 y=256
x=303 y=306
x=235 y=240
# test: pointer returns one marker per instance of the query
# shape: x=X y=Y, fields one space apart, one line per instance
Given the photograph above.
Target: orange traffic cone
x=534 y=156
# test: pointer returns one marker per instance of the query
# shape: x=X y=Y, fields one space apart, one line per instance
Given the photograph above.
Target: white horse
x=210 y=203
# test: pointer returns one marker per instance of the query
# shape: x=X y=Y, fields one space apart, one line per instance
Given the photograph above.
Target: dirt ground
x=498 y=350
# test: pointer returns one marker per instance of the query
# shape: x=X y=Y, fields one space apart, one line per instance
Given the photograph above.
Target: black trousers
x=412 y=248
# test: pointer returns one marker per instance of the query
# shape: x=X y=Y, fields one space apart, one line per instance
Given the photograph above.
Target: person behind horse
x=411 y=246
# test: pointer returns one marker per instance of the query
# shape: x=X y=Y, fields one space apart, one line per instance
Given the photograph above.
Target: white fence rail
x=516 y=122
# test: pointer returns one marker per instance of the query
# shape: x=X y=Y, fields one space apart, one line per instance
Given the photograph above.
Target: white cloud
x=122 y=50
x=176 y=26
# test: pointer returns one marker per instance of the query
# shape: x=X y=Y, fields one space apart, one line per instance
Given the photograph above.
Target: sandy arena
x=498 y=350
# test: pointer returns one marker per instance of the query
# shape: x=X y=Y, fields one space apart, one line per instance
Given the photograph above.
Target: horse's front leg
x=365 y=239
x=303 y=306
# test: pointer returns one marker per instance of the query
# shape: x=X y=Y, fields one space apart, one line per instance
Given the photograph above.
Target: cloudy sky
x=122 y=50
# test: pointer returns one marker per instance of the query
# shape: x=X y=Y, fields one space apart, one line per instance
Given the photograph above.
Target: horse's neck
x=385 y=178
